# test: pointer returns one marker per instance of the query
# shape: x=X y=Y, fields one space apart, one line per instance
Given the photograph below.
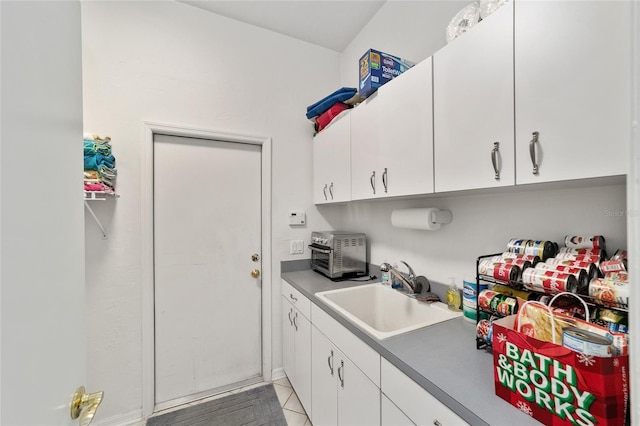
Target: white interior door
x=207 y=226
x=43 y=336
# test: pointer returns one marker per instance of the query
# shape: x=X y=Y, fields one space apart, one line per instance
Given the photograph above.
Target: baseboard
x=278 y=373
x=133 y=418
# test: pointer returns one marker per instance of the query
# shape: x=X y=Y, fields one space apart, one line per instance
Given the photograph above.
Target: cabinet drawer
x=418 y=404
x=363 y=356
x=301 y=303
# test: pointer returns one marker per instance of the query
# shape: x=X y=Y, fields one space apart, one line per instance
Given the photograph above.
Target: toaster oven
x=339 y=254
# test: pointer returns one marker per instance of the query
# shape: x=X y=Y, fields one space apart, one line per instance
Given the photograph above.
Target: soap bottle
x=395 y=282
x=385 y=277
x=453 y=296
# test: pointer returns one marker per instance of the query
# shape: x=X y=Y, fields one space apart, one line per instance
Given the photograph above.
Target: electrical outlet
x=296 y=247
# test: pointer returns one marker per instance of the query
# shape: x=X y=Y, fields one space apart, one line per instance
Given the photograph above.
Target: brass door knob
x=255 y=273
x=82 y=400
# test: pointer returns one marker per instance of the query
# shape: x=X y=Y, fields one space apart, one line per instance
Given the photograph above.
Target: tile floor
x=293 y=411
x=291 y=406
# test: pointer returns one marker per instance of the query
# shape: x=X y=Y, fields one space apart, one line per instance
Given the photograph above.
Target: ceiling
x=329 y=23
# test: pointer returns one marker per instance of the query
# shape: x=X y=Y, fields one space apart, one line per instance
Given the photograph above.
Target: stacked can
x=582 y=241
x=470 y=290
x=581 y=274
x=504 y=272
x=589 y=267
x=549 y=281
x=540 y=248
x=612 y=290
x=617 y=263
x=497 y=303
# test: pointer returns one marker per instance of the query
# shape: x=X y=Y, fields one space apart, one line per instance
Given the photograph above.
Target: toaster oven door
x=322 y=259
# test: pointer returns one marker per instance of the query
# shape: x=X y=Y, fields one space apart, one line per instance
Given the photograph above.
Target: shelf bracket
x=104 y=233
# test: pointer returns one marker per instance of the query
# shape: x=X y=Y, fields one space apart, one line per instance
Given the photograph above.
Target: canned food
x=484 y=331
x=586 y=342
x=581 y=274
x=579 y=257
x=510 y=291
x=511 y=255
x=619 y=254
x=549 y=281
x=581 y=241
x=494 y=302
x=613 y=265
x=505 y=272
x=542 y=249
x=517 y=246
x=519 y=261
x=590 y=267
x=584 y=251
x=609 y=292
x=617 y=276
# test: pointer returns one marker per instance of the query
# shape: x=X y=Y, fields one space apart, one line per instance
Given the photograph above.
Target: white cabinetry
x=332 y=162
x=392 y=415
x=415 y=402
x=296 y=342
x=392 y=138
x=473 y=107
x=572 y=85
x=342 y=394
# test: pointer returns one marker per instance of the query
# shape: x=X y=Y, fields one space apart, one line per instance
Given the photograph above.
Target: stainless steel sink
x=384 y=312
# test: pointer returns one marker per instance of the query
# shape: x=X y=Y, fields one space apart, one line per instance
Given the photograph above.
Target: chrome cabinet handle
x=330 y=362
x=532 y=152
x=340 y=370
x=324 y=191
x=437 y=423
x=289 y=315
x=295 y=299
x=295 y=324
x=384 y=179
x=372 y=180
x=331 y=190
x=494 y=159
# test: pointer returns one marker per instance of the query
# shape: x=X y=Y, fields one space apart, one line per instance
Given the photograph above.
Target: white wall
x=410 y=29
x=169 y=62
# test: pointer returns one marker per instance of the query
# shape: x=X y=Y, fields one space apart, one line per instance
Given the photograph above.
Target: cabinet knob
x=384 y=180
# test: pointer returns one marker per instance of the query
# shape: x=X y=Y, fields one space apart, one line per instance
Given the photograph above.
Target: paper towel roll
x=429 y=219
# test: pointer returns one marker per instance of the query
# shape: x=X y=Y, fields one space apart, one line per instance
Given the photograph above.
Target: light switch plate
x=296 y=247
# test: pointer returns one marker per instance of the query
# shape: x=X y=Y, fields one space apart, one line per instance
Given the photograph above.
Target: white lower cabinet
x=410 y=398
x=392 y=415
x=341 y=394
x=296 y=343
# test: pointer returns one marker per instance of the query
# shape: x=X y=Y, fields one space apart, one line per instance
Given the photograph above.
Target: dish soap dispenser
x=453 y=296
x=386 y=277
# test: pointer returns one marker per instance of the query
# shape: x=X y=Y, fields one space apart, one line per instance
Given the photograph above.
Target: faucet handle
x=412 y=275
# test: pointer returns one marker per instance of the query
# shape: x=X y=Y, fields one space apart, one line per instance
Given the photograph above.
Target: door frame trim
x=147 y=259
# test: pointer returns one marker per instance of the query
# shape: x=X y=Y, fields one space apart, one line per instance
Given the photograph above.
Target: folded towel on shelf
x=93 y=187
x=324 y=119
x=93 y=162
x=92 y=147
x=91 y=174
x=96 y=138
x=327 y=102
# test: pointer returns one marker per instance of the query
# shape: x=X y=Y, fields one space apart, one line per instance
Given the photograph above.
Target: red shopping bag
x=557 y=385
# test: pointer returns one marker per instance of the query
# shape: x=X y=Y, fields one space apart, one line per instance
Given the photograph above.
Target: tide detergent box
x=377 y=68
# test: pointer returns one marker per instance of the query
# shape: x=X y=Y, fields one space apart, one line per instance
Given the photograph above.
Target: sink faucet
x=407 y=280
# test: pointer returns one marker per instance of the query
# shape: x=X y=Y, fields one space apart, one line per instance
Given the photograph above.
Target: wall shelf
x=97 y=196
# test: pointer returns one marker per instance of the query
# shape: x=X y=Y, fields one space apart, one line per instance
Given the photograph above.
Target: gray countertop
x=442 y=358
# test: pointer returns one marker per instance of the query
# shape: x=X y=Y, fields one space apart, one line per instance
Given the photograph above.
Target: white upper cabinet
x=406 y=132
x=572 y=80
x=473 y=107
x=365 y=175
x=392 y=138
x=332 y=162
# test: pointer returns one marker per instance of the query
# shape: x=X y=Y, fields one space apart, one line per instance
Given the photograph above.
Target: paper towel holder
x=429 y=219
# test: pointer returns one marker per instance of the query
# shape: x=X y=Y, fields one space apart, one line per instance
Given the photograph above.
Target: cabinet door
x=392 y=415
x=324 y=391
x=358 y=397
x=572 y=76
x=365 y=177
x=302 y=350
x=332 y=162
x=288 y=362
x=406 y=132
x=473 y=106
